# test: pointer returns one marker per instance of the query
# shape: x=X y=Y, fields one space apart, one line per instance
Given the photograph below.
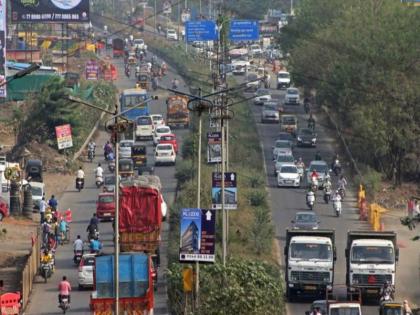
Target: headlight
x=327 y=278
x=314 y=139
x=355 y=281
x=299 y=139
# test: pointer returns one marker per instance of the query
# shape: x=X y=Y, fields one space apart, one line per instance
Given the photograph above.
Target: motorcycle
x=327 y=194
x=64 y=304
x=310 y=200
x=93 y=235
x=337 y=207
x=46 y=271
x=80 y=183
x=99 y=181
x=77 y=257
x=336 y=167
x=91 y=155
x=301 y=170
x=306 y=107
x=314 y=184
x=342 y=192
x=111 y=166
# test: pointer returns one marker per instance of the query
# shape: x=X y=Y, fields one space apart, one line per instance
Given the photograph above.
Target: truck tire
x=290 y=294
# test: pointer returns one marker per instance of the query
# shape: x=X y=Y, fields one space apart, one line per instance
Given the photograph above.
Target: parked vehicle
x=288 y=123
x=34 y=171
x=165 y=154
x=310 y=258
x=292 y=97
x=177 y=113
x=85 y=271
x=105 y=206
x=283 y=80
x=38 y=191
x=305 y=220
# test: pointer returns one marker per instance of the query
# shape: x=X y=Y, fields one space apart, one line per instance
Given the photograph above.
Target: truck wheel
x=289 y=294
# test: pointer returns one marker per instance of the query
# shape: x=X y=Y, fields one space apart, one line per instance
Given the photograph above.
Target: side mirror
x=397 y=254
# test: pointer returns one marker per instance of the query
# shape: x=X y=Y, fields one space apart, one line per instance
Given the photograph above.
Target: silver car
x=292 y=97
x=322 y=168
x=282 y=160
x=270 y=114
x=282 y=147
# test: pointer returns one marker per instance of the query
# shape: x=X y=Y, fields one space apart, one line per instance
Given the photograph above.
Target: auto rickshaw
x=34 y=170
x=132 y=58
x=391 y=308
x=126 y=168
x=139 y=155
x=143 y=81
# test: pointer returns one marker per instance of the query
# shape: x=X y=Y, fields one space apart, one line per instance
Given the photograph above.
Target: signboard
x=3 y=30
x=231 y=191
x=411 y=2
x=185 y=15
x=57 y=11
x=167 y=7
x=198 y=237
x=214 y=147
x=92 y=70
x=199 y=31
x=244 y=30
x=63 y=134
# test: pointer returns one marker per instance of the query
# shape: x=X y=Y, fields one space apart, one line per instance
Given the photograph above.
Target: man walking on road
x=42 y=207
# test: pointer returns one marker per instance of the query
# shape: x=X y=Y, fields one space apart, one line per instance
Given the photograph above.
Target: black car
x=306 y=137
x=305 y=220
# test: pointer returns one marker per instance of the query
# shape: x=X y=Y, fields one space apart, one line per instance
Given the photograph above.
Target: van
x=288 y=123
x=144 y=127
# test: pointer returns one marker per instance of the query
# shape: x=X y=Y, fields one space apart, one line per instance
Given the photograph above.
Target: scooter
x=94 y=235
x=310 y=200
x=77 y=257
x=111 y=166
x=300 y=170
x=91 y=155
x=336 y=167
x=337 y=207
x=80 y=183
x=99 y=181
x=327 y=194
x=64 y=304
x=342 y=192
x=46 y=271
x=314 y=184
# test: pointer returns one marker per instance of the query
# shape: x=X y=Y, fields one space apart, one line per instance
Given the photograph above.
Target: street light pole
x=116 y=224
x=155 y=14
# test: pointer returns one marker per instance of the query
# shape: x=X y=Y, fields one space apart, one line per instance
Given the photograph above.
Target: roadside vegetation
x=362 y=61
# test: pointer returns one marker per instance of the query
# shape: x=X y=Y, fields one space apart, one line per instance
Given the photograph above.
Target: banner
x=3 y=29
x=63 y=134
x=92 y=70
x=214 y=147
x=57 y=11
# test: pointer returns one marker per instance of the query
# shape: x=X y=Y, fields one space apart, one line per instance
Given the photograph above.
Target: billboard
x=231 y=191
x=63 y=134
x=3 y=30
x=198 y=237
x=57 y=11
x=214 y=147
x=92 y=70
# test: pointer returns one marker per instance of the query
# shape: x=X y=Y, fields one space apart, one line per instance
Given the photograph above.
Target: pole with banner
x=3 y=30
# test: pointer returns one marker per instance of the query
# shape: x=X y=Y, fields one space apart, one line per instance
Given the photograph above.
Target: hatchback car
x=270 y=114
x=281 y=160
x=105 y=206
x=109 y=183
x=157 y=120
x=305 y=220
x=85 y=274
x=170 y=138
x=252 y=82
x=285 y=136
x=288 y=176
x=165 y=154
x=322 y=168
x=125 y=149
x=306 y=137
x=282 y=147
x=292 y=97
x=38 y=191
x=171 y=34
x=261 y=96
x=4 y=208
x=160 y=131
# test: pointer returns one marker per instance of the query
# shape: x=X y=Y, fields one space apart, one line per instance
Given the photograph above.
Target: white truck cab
x=347 y=308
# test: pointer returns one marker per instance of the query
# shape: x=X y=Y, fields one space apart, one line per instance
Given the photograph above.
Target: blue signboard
x=244 y=30
x=198 y=235
x=199 y=31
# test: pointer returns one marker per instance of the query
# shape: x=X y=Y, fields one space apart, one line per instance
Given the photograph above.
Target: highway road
x=44 y=296
x=285 y=202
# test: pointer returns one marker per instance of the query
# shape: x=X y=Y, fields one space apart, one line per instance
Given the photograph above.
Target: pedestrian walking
x=42 y=207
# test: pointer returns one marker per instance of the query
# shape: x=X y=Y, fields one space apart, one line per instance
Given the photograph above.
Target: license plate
x=310 y=287
x=107 y=214
x=289 y=182
x=374 y=291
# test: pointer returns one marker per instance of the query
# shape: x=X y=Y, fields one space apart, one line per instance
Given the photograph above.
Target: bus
x=130 y=98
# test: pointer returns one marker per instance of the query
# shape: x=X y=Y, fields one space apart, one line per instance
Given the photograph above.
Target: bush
x=184 y=171
x=189 y=150
x=372 y=181
x=256 y=181
x=257 y=198
x=262 y=230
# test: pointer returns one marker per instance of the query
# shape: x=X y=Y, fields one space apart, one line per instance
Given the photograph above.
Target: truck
x=136 y=294
x=177 y=114
x=309 y=259
x=371 y=259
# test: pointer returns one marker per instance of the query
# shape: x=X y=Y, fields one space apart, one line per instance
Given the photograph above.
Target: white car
x=282 y=160
x=157 y=120
x=255 y=50
x=292 y=97
x=38 y=191
x=85 y=274
x=165 y=154
x=125 y=149
x=282 y=147
x=288 y=176
x=139 y=44
x=160 y=131
x=240 y=67
x=171 y=34
x=252 y=82
x=283 y=80
x=261 y=96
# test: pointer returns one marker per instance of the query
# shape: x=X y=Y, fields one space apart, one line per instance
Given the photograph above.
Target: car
x=38 y=191
x=306 y=137
x=261 y=96
x=139 y=43
x=292 y=97
x=105 y=206
x=282 y=147
x=4 y=208
x=282 y=159
x=255 y=50
x=169 y=138
x=157 y=120
x=288 y=176
x=165 y=154
x=322 y=169
x=277 y=105
x=270 y=114
x=252 y=82
x=283 y=80
x=240 y=67
x=125 y=149
x=144 y=127
x=109 y=183
x=322 y=305
x=85 y=273
x=285 y=136
x=160 y=131
x=288 y=123
x=305 y=220
x=171 y=34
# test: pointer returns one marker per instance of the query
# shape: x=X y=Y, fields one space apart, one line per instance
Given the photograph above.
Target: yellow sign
x=187 y=276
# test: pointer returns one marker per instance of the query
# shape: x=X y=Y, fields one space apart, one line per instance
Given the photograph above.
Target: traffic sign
x=231 y=191
x=198 y=31
x=198 y=235
x=244 y=30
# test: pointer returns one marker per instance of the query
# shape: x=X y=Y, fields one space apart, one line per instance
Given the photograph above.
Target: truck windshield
x=372 y=254
x=345 y=311
x=311 y=251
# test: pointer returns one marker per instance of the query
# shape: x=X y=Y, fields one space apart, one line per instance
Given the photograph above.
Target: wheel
x=45 y=278
x=1 y=216
x=80 y=287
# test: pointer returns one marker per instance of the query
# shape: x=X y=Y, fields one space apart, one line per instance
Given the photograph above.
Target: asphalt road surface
x=83 y=204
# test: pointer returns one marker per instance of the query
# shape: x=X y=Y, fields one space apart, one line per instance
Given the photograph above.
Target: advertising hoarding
x=64 y=138
x=231 y=191
x=3 y=30
x=214 y=147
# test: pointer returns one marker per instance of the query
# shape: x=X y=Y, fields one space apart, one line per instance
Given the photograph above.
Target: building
x=190 y=239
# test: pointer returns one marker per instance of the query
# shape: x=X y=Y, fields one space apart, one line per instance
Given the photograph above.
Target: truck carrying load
x=140 y=215
x=135 y=284
x=310 y=258
x=177 y=114
x=371 y=259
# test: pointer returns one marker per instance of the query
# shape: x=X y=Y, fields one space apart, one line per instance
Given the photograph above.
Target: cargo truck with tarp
x=177 y=114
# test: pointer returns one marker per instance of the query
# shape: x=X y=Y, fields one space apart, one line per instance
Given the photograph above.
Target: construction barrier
x=10 y=303
x=375 y=216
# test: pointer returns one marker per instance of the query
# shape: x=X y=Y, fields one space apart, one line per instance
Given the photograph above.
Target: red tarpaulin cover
x=140 y=209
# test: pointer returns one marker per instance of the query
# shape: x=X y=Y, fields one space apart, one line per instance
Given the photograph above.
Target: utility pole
x=197 y=264
x=154 y=15
x=117 y=215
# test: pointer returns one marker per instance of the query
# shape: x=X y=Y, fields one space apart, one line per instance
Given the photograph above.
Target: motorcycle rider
x=53 y=203
x=314 y=177
x=107 y=150
x=78 y=245
x=300 y=163
x=91 y=149
x=63 y=230
x=99 y=171
x=407 y=309
x=95 y=245
x=47 y=258
x=387 y=292
x=337 y=201
x=80 y=175
x=310 y=197
x=94 y=220
x=342 y=183
x=311 y=122
x=64 y=289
